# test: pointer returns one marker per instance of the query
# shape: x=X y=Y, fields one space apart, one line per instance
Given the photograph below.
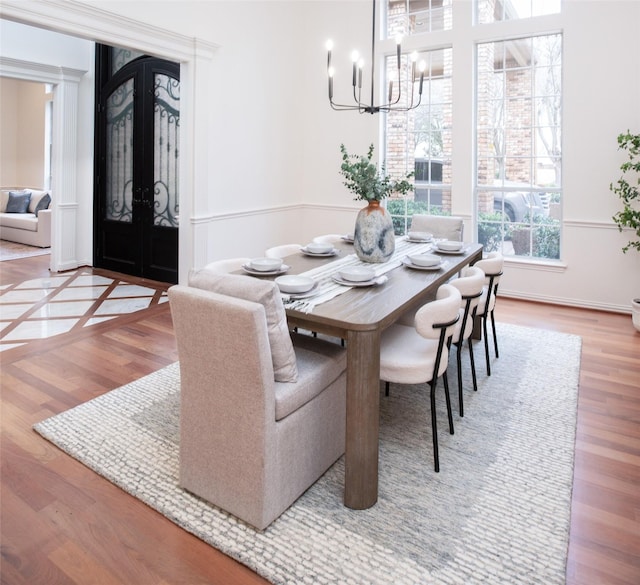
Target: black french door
x=136 y=164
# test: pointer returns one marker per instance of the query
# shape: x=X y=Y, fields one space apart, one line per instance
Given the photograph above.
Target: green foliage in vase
x=628 y=188
x=363 y=178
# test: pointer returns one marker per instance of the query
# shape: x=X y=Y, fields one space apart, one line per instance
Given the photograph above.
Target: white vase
x=635 y=313
x=373 y=239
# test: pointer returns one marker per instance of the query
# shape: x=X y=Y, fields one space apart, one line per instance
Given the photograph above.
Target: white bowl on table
x=295 y=283
x=265 y=264
x=420 y=236
x=357 y=273
x=425 y=259
x=319 y=247
x=450 y=245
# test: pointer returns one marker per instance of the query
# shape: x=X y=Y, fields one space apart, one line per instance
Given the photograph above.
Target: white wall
x=22 y=111
x=9 y=134
x=273 y=155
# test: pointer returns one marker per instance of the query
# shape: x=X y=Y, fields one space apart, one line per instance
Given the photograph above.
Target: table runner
x=328 y=288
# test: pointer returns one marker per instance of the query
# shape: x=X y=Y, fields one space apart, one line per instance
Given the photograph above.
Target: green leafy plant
x=365 y=180
x=542 y=240
x=402 y=211
x=627 y=188
x=491 y=231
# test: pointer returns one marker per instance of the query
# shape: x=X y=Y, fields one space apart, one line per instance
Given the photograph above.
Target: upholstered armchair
x=249 y=444
x=441 y=226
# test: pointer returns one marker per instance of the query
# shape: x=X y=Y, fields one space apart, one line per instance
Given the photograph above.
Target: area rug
x=14 y=250
x=498 y=512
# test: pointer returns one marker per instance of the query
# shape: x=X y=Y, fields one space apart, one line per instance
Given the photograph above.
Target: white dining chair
x=449 y=227
x=470 y=284
x=420 y=354
x=282 y=251
x=227 y=265
x=492 y=267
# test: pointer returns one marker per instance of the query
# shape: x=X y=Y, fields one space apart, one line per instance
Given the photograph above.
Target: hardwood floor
x=63 y=524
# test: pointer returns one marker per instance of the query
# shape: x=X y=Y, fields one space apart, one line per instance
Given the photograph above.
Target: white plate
x=321 y=254
x=373 y=282
x=410 y=264
x=416 y=241
x=348 y=238
x=305 y=295
x=247 y=268
x=295 y=284
x=450 y=245
x=452 y=252
x=425 y=259
x=356 y=273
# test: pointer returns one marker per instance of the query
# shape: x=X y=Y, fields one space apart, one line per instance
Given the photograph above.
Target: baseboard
x=609 y=307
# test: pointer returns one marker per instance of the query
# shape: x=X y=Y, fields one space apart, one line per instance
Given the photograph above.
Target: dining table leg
x=363 y=405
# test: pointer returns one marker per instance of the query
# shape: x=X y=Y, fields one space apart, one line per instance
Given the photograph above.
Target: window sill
x=536 y=264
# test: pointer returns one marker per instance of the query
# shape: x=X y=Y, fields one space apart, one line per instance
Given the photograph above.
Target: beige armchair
x=441 y=226
x=248 y=444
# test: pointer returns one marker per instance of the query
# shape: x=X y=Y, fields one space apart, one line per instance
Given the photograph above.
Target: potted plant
x=628 y=189
x=374 y=238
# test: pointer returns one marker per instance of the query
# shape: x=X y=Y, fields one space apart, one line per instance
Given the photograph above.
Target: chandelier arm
x=336 y=106
x=360 y=107
x=371 y=108
x=389 y=104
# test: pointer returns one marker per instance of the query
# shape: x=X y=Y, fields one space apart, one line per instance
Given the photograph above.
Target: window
x=494 y=10
x=518 y=145
x=410 y=17
x=420 y=141
x=511 y=157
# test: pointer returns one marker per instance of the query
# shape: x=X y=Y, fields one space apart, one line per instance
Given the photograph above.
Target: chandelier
x=356 y=80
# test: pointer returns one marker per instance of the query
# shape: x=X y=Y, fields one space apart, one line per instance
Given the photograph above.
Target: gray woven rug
x=498 y=511
x=15 y=250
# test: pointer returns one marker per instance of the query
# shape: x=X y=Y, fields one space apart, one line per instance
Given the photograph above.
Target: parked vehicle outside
x=514 y=200
x=518 y=205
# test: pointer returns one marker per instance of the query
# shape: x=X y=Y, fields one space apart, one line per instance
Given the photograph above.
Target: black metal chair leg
x=434 y=430
x=473 y=365
x=460 y=397
x=495 y=337
x=386 y=388
x=486 y=345
x=448 y=399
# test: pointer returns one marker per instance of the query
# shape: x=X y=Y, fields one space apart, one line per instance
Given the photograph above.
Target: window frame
x=463 y=39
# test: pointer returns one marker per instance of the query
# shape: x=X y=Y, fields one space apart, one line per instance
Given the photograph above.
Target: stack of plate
x=450 y=246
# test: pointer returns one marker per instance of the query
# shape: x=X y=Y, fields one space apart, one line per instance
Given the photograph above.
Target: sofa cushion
x=320 y=363
x=19 y=221
x=39 y=200
x=4 y=199
x=44 y=202
x=18 y=202
x=265 y=292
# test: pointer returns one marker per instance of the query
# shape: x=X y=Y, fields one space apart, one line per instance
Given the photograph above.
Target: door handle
x=139 y=199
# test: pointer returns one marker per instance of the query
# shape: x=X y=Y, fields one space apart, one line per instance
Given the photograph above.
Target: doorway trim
x=194 y=56
x=65 y=83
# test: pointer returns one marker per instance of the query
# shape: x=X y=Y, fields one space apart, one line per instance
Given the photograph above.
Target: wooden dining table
x=359 y=316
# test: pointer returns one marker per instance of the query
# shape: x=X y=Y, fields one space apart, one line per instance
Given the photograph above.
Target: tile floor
x=44 y=307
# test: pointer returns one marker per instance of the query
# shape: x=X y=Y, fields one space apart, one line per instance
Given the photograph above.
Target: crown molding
x=94 y=24
x=19 y=69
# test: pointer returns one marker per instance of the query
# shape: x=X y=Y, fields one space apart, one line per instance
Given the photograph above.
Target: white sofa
x=26 y=228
